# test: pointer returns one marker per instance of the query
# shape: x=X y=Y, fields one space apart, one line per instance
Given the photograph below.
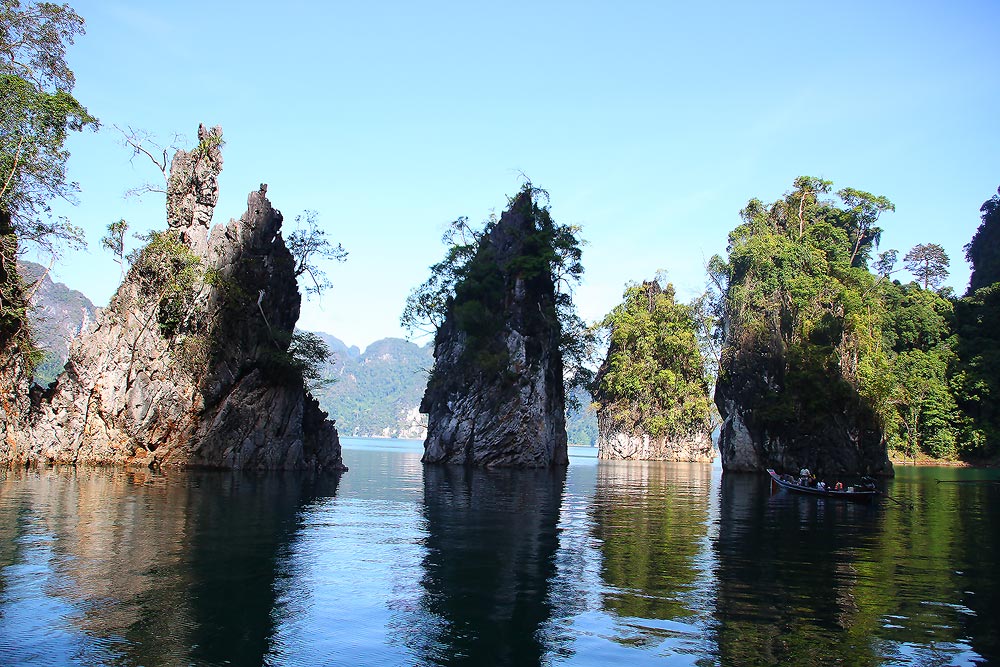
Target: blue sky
x=650 y=124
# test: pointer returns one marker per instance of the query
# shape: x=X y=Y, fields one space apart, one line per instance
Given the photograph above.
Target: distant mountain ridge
x=58 y=314
x=376 y=393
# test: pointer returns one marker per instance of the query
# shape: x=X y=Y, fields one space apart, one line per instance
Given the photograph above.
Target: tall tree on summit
x=928 y=262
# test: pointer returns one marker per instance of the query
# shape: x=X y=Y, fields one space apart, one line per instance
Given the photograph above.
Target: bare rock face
x=616 y=444
x=14 y=403
x=193 y=188
x=496 y=397
x=189 y=363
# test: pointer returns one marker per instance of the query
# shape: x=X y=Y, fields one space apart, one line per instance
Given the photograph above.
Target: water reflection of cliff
x=652 y=521
x=491 y=544
x=788 y=579
x=137 y=568
x=815 y=581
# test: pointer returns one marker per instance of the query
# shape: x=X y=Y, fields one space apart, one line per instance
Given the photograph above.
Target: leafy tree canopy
x=308 y=244
x=554 y=250
x=800 y=316
x=37 y=111
x=653 y=380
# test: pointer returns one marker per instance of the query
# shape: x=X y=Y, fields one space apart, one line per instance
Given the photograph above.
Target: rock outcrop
x=15 y=339
x=616 y=444
x=772 y=422
x=189 y=365
x=495 y=396
x=650 y=391
x=844 y=439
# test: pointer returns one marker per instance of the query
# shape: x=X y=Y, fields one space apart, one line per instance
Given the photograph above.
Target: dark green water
x=395 y=564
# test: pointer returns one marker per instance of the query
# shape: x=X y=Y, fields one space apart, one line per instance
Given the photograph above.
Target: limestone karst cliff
x=838 y=437
x=189 y=365
x=495 y=396
x=651 y=391
x=803 y=371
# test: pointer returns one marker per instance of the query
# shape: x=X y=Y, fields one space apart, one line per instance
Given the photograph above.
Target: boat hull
x=862 y=496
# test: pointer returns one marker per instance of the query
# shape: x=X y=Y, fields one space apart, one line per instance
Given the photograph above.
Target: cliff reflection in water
x=788 y=587
x=818 y=582
x=491 y=544
x=604 y=563
x=652 y=520
x=132 y=568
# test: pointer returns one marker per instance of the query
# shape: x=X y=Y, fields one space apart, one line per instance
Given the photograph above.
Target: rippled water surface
x=397 y=564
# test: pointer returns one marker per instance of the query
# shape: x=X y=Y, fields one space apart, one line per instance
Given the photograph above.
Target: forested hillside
x=830 y=358
x=376 y=393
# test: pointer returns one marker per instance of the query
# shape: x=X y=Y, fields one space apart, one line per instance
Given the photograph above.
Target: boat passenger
x=839 y=486
x=821 y=486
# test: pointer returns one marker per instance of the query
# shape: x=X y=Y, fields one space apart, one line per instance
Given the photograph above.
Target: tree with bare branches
x=309 y=244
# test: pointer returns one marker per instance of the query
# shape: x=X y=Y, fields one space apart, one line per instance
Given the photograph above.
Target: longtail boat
x=864 y=493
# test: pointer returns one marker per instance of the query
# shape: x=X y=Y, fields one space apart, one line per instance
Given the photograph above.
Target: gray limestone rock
x=616 y=444
x=843 y=439
x=496 y=397
x=196 y=371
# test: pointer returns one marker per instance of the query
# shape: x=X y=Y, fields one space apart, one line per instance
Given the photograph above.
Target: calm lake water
x=397 y=564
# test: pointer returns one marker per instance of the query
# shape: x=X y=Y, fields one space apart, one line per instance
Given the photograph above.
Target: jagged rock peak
x=495 y=396
x=189 y=365
x=193 y=187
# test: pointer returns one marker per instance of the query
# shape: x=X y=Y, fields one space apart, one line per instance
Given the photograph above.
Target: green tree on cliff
x=813 y=336
x=653 y=380
x=802 y=327
x=920 y=349
x=983 y=251
x=554 y=249
x=37 y=111
x=976 y=375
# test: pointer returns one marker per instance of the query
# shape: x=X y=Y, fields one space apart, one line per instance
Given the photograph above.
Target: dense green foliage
x=37 y=111
x=983 y=251
x=797 y=302
x=922 y=413
x=168 y=273
x=468 y=282
x=976 y=376
x=835 y=338
x=653 y=379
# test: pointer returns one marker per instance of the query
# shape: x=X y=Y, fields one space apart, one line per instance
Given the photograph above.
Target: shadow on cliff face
x=491 y=541
x=142 y=568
